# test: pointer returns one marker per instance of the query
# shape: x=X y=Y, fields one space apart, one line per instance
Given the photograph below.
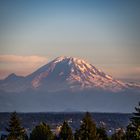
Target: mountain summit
x=64 y=73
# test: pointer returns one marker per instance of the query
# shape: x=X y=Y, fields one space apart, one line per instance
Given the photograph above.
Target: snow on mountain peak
x=66 y=58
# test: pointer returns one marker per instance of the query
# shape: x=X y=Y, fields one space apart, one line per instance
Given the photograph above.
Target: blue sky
x=104 y=32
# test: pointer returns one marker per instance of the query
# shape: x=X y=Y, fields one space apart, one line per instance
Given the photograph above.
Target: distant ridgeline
x=71 y=126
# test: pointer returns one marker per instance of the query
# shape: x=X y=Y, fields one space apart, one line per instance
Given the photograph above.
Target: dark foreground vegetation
x=87 y=131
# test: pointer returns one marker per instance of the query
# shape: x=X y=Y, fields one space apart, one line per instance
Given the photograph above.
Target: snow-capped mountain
x=63 y=73
x=67 y=83
x=73 y=73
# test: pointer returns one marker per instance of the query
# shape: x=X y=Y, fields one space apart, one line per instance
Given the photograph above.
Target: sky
x=106 y=33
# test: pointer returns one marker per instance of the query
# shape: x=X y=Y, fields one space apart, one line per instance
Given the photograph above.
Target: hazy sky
x=104 y=32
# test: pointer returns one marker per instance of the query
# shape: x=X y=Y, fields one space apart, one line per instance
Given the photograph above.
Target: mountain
x=72 y=73
x=67 y=84
x=60 y=74
x=64 y=73
x=12 y=83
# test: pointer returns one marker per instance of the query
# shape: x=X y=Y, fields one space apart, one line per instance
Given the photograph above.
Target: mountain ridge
x=67 y=83
x=64 y=73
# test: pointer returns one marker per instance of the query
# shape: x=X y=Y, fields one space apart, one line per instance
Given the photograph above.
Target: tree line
x=87 y=130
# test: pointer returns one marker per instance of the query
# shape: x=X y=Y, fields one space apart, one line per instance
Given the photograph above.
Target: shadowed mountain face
x=67 y=83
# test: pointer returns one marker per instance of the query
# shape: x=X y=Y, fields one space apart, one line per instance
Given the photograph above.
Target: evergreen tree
x=119 y=135
x=77 y=135
x=101 y=132
x=87 y=129
x=130 y=133
x=66 y=132
x=133 y=129
x=41 y=132
x=14 y=129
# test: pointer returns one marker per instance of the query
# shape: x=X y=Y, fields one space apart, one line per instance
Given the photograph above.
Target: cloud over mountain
x=22 y=65
x=22 y=59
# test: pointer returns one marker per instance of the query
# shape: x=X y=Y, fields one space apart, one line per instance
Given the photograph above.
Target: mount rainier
x=63 y=73
x=67 y=83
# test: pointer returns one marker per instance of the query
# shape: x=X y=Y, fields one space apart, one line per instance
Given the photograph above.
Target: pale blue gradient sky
x=105 y=33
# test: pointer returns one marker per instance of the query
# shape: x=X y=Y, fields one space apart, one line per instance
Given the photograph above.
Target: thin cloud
x=20 y=65
x=22 y=59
